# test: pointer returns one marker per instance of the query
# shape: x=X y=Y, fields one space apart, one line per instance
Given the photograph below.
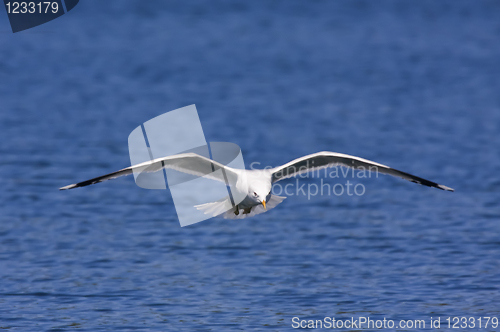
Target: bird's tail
x=223 y=207
x=215 y=208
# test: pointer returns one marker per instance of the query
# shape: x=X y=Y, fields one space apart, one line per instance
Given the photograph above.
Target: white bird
x=256 y=189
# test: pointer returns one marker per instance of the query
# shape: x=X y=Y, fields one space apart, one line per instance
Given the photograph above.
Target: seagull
x=254 y=185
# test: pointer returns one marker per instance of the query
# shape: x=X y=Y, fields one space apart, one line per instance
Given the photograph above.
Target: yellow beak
x=264 y=203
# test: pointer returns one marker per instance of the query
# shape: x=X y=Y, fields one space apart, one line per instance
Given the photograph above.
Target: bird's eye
x=255 y=194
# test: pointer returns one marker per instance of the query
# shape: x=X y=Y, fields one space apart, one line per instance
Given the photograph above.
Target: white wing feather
x=325 y=159
x=189 y=163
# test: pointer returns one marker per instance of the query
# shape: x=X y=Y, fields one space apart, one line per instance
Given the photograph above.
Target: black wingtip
x=71 y=186
x=440 y=186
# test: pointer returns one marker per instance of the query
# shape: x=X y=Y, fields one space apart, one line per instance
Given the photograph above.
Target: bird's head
x=259 y=195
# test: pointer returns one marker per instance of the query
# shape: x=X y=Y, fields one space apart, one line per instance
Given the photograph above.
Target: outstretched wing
x=330 y=159
x=189 y=163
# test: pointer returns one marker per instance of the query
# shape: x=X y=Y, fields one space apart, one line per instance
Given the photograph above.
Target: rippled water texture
x=413 y=84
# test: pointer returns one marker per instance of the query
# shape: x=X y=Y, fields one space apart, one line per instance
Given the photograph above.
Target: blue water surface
x=411 y=84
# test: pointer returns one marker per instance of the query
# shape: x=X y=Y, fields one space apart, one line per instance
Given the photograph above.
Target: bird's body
x=253 y=186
